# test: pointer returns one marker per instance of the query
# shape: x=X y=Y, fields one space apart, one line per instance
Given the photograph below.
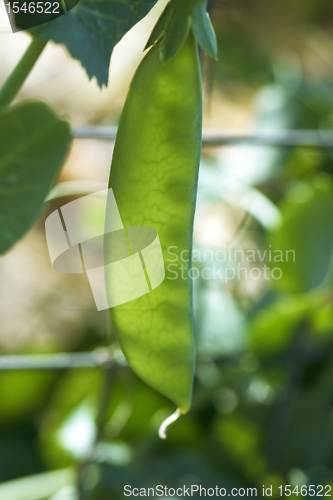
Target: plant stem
x=16 y=79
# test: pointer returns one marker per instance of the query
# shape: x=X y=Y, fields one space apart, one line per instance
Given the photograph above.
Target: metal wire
x=214 y=137
x=57 y=361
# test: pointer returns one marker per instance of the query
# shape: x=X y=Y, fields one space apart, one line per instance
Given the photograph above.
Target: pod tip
x=168 y=421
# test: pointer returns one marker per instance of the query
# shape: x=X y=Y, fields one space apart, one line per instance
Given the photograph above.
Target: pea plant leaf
x=174 y=24
x=203 y=29
x=33 y=145
x=92 y=29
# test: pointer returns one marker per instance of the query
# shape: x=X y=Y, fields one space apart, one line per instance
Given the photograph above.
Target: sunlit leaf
x=33 y=145
x=92 y=29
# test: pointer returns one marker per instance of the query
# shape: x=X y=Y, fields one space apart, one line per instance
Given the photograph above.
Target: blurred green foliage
x=263 y=396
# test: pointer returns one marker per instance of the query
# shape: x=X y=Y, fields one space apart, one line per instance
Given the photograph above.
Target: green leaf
x=240 y=436
x=310 y=439
x=172 y=29
x=177 y=32
x=91 y=30
x=203 y=29
x=33 y=145
x=161 y=25
x=302 y=246
x=272 y=329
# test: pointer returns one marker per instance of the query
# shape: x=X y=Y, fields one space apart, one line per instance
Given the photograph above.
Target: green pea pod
x=154 y=176
x=173 y=27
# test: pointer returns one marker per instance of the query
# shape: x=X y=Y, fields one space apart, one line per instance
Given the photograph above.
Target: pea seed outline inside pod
x=154 y=176
x=134 y=265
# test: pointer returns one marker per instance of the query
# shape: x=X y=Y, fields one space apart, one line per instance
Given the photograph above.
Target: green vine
x=21 y=71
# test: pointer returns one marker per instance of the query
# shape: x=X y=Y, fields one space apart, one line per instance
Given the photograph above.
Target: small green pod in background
x=154 y=175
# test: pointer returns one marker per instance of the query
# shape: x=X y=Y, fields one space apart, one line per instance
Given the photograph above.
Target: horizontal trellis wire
x=57 y=361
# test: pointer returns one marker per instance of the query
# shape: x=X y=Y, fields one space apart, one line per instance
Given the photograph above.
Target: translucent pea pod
x=154 y=176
